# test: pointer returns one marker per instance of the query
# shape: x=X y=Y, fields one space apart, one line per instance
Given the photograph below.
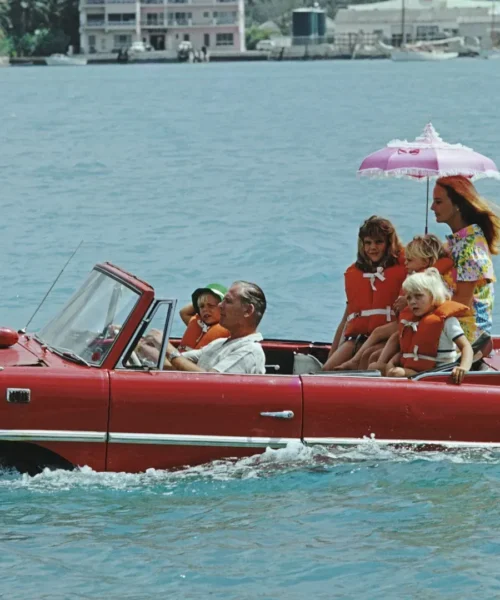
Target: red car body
x=58 y=409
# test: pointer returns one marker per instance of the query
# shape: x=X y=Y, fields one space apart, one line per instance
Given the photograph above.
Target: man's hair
x=251 y=293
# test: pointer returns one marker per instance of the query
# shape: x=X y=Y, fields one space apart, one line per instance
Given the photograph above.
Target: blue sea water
x=186 y=174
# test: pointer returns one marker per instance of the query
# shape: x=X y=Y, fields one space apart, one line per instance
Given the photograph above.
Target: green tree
x=253 y=35
x=22 y=19
x=5 y=47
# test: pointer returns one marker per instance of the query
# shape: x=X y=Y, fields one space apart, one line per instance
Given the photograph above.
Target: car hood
x=22 y=354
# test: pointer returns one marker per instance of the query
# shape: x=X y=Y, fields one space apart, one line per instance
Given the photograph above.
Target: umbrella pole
x=427 y=210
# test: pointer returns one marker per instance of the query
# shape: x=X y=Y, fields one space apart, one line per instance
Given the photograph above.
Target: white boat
x=63 y=60
x=421 y=54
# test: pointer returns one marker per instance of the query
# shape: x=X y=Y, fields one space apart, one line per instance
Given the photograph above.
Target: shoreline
x=171 y=58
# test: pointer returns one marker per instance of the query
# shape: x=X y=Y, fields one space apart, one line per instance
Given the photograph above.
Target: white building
x=423 y=19
x=111 y=25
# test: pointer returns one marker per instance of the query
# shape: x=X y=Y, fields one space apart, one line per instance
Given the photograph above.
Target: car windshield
x=85 y=330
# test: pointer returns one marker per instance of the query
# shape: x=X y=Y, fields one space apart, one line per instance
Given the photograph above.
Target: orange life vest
x=197 y=334
x=419 y=338
x=370 y=297
x=443 y=265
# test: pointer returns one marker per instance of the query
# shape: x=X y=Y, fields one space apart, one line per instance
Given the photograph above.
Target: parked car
x=77 y=393
x=140 y=46
x=265 y=45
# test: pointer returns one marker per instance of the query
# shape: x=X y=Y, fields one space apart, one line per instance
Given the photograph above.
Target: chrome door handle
x=282 y=414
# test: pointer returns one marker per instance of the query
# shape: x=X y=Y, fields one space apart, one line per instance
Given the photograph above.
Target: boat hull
x=421 y=55
x=65 y=61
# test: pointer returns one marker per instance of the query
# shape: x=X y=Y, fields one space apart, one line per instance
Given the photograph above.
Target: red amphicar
x=76 y=393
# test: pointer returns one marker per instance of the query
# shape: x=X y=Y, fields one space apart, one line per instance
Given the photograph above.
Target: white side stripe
x=47 y=435
x=198 y=440
x=34 y=435
x=369 y=440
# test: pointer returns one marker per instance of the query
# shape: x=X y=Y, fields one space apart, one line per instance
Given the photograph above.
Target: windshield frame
x=144 y=300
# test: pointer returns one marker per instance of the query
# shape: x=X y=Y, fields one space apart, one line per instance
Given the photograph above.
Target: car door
x=166 y=419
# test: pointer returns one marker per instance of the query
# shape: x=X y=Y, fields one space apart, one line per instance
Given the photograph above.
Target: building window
x=154 y=19
x=92 y=41
x=103 y=44
x=427 y=32
x=122 y=42
x=181 y=18
x=186 y=37
x=124 y=18
x=206 y=15
x=206 y=39
x=224 y=39
x=225 y=18
x=95 y=19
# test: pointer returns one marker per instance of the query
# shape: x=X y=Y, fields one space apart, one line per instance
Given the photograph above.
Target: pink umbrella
x=428 y=157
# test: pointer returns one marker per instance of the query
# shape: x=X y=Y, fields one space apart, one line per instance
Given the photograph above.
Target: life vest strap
x=412 y=324
x=416 y=356
x=386 y=312
x=378 y=274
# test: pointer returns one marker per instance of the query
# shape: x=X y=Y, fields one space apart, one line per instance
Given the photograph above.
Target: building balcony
x=156 y=24
x=120 y=24
x=200 y=22
x=200 y=2
x=95 y=24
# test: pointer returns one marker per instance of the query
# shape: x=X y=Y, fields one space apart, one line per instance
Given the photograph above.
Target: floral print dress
x=472 y=262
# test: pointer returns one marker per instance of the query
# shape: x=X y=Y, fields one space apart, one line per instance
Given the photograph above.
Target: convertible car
x=76 y=393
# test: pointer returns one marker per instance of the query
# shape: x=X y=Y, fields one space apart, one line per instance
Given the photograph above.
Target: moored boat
x=65 y=60
x=76 y=393
x=419 y=53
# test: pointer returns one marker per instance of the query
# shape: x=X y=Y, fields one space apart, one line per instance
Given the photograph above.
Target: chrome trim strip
x=199 y=440
x=385 y=442
x=41 y=435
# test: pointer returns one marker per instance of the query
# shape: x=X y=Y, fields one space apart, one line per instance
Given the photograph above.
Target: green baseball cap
x=216 y=289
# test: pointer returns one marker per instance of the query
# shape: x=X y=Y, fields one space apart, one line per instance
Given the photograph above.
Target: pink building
x=111 y=25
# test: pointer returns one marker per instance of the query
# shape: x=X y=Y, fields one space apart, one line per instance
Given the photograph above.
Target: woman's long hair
x=474 y=209
x=378 y=227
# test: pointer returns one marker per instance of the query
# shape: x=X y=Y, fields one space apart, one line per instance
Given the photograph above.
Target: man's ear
x=249 y=310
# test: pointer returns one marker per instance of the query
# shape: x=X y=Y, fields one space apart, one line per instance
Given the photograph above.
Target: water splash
x=295 y=457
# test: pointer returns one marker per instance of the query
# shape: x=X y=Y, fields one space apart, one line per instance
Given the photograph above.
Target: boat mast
x=402 y=23
x=492 y=31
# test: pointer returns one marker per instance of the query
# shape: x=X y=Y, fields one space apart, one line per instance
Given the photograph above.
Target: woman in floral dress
x=475 y=237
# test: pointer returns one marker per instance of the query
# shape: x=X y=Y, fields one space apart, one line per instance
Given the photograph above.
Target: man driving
x=241 y=311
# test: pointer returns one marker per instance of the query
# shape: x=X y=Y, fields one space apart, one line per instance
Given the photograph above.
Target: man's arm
x=183 y=362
